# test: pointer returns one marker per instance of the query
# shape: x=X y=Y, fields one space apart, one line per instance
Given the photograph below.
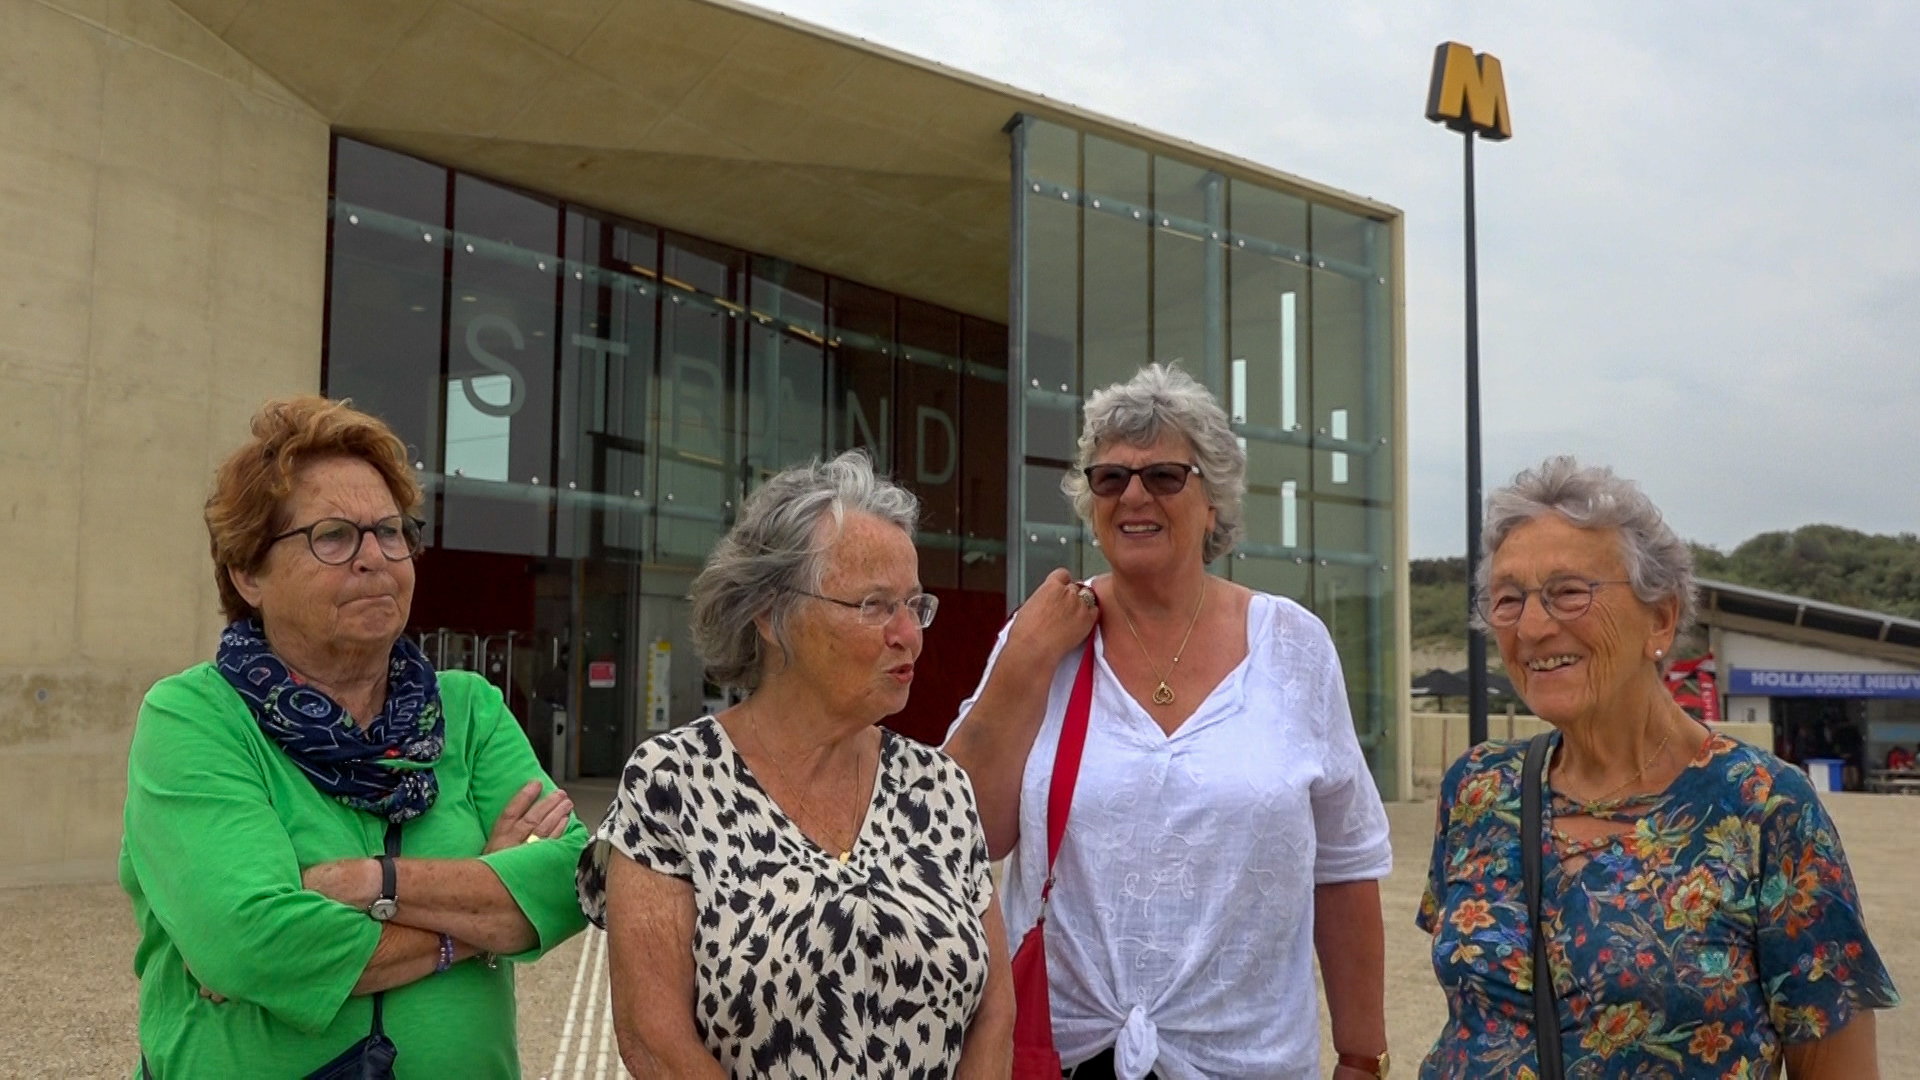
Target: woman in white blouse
x=1225 y=827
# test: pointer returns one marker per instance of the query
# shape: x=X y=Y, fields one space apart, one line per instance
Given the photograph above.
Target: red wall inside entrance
x=473 y=591
x=951 y=659
x=482 y=592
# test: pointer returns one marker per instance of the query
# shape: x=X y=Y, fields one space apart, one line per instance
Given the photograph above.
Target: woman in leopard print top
x=788 y=889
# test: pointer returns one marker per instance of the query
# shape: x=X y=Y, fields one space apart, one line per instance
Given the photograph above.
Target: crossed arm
x=462 y=898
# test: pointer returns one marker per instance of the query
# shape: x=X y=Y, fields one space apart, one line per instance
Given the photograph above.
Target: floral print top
x=1721 y=924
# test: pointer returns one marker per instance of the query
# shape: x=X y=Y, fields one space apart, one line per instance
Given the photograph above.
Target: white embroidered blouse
x=1181 y=926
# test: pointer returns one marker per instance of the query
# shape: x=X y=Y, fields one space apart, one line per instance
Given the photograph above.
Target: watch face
x=382 y=909
x=1386 y=1066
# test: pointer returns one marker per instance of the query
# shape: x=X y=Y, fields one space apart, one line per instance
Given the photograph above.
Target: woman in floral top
x=1701 y=919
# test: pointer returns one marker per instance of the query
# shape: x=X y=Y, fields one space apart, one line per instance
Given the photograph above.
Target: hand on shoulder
x=1053 y=621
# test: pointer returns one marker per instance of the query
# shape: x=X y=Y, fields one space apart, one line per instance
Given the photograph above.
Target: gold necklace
x=799 y=794
x=1163 y=694
x=1588 y=805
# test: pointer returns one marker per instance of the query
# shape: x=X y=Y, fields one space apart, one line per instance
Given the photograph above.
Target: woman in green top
x=261 y=789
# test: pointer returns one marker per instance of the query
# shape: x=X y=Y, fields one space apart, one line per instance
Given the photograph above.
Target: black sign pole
x=1476 y=638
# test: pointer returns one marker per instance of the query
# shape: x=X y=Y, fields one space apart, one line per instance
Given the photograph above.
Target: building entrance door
x=505 y=617
x=608 y=664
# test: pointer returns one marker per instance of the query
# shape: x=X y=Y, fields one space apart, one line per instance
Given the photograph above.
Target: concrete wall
x=1440 y=738
x=163 y=209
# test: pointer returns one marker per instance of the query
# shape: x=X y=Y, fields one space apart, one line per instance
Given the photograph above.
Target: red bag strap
x=1066 y=761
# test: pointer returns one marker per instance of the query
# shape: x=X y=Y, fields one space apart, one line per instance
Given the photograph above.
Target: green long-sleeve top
x=219 y=825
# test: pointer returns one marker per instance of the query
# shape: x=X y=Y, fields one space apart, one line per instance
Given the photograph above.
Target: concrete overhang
x=719 y=119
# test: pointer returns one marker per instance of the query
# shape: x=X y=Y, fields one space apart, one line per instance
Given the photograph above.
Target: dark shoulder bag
x=371 y=1058
x=1546 y=1011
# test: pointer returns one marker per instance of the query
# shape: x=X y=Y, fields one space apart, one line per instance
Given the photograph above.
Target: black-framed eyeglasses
x=335 y=541
x=879 y=611
x=1564 y=599
x=1159 y=478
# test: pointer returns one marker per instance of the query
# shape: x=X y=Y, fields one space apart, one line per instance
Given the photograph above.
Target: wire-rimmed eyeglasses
x=335 y=541
x=1564 y=599
x=879 y=610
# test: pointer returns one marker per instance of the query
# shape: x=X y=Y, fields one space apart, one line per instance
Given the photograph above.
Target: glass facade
x=1283 y=307
x=588 y=400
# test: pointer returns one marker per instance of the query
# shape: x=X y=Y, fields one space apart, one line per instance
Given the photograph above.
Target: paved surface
x=67 y=985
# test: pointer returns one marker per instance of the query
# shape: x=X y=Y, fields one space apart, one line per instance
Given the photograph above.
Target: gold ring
x=1087 y=598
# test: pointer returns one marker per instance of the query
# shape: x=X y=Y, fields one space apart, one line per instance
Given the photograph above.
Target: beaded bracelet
x=446 y=954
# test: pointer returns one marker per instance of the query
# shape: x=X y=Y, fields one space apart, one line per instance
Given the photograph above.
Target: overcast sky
x=1699 y=253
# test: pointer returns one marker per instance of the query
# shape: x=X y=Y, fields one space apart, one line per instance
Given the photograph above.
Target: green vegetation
x=1825 y=562
x=1439 y=605
x=1822 y=562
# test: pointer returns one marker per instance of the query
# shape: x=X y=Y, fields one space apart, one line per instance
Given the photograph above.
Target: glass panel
x=1053 y=153
x=1267 y=387
x=1354 y=484
x=698 y=330
x=1352 y=361
x=1188 y=306
x=786 y=368
x=1357 y=609
x=385 y=297
x=1345 y=424
x=983 y=468
x=1116 y=212
x=1273 y=224
x=1053 y=328
x=1051 y=532
x=929 y=458
x=1279 y=512
x=607 y=324
x=861 y=333
x=499 y=389
x=1291 y=578
x=639 y=388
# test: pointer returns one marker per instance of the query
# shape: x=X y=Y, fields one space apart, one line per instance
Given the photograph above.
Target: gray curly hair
x=776 y=547
x=1135 y=412
x=1659 y=563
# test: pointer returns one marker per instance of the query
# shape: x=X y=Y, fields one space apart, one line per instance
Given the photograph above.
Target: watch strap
x=389 y=873
x=1372 y=1066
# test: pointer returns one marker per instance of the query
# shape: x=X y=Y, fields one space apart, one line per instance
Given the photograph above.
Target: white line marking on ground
x=593 y=997
x=573 y=1005
x=606 y=1035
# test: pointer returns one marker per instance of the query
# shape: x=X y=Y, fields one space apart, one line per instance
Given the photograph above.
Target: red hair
x=250 y=489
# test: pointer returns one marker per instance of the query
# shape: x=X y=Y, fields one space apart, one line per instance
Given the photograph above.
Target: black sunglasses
x=1159 y=478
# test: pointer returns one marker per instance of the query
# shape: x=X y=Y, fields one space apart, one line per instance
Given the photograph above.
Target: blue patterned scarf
x=386 y=770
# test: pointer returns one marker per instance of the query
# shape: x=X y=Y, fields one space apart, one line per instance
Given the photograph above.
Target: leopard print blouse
x=805 y=966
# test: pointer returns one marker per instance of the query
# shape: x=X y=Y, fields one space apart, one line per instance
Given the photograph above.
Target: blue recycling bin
x=1826 y=773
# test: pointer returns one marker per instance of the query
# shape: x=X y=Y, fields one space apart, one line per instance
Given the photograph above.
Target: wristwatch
x=1372 y=1066
x=384 y=906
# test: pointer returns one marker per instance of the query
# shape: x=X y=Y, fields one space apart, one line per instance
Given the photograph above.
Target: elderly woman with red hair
x=328 y=842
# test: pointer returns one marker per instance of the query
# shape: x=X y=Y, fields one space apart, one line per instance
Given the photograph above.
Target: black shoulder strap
x=1546 y=1011
x=380 y=999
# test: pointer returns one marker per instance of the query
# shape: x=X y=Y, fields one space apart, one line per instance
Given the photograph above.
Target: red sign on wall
x=601 y=674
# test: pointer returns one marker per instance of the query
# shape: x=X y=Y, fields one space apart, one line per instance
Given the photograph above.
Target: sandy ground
x=66 y=961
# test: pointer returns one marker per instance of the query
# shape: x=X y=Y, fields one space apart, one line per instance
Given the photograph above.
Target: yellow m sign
x=1468 y=92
